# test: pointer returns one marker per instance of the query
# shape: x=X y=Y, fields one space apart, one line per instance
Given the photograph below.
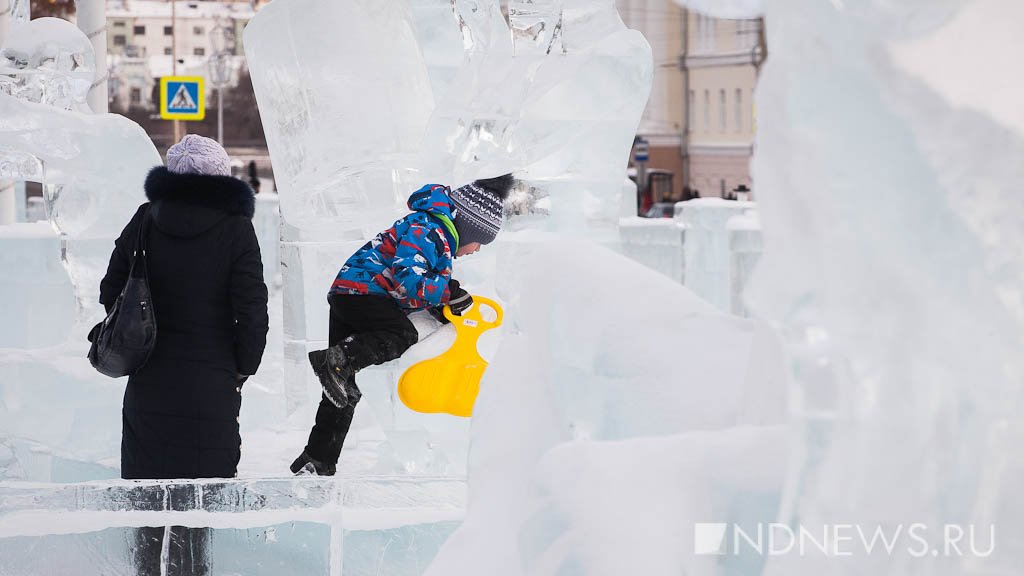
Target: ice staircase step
x=363 y=503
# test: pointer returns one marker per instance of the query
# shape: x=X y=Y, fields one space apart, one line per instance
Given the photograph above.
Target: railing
x=711 y=246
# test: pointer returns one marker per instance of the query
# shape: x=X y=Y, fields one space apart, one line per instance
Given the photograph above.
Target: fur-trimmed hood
x=190 y=204
x=223 y=193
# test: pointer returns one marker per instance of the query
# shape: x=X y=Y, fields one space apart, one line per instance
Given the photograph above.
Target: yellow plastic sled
x=450 y=382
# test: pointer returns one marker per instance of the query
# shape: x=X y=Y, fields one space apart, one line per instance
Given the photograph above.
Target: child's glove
x=459 y=300
x=438 y=314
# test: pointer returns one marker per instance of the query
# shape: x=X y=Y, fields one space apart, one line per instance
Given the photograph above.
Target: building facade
x=145 y=37
x=662 y=124
x=720 y=67
x=700 y=119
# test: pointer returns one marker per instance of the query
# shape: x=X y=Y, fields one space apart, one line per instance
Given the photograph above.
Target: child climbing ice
x=405 y=268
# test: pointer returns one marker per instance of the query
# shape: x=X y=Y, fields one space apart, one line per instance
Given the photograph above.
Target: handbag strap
x=141 y=239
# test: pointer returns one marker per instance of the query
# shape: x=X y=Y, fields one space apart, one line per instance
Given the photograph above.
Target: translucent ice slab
x=273 y=527
x=344 y=96
x=48 y=61
x=656 y=243
x=36 y=290
x=708 y=250
x=95 y=163
x=557 y=100
x=897 y=277
x=587 y=365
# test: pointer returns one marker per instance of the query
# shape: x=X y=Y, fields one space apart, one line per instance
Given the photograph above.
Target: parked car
x=661 y=210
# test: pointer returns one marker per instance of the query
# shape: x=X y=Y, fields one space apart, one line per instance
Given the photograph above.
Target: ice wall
x=888 y=176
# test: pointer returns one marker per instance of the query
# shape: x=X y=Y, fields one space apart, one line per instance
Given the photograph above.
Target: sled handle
x=473 y=317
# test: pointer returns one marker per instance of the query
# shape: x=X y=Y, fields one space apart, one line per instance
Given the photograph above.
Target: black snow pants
x=373 y=330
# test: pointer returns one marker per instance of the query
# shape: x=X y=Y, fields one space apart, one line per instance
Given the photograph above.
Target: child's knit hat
x=198 y=155
x=477 y=209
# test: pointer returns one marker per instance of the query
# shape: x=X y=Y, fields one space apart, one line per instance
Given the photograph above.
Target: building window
x=753 y=112
x=705 y=34
x=199 y=51
x=691 y=112
x=739 y=110
x=120 y=40
x=746 y=34
x=136 y=96
x=168 y=30
x=119 y=24
x=168 y=51
x=198 y=30
x=707 y=110
x=139 y=30
x=722 y=109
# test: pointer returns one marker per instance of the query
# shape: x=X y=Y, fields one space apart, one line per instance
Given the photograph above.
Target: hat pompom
x=500 y=186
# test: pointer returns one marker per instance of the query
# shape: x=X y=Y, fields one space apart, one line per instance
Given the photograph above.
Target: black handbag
x=122 y=343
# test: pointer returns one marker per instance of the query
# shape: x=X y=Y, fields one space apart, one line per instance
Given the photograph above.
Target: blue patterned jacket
x=411 y=261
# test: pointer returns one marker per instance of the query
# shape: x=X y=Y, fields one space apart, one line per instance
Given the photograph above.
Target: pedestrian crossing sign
x=182 y=98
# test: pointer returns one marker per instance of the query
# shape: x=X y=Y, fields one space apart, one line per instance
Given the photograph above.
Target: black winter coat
x=180 y=415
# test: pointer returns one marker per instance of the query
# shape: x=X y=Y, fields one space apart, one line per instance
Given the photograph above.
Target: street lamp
x=220 y=38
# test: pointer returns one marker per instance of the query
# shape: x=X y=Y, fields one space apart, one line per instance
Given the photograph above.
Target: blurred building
x=700 y=120
x=720 y=67
x=661 y=22
x=144 y=36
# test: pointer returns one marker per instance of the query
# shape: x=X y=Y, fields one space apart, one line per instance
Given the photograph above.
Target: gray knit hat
x=198 y=155
x=477 y=209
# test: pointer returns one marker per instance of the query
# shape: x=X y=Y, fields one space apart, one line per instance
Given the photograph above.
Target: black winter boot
x=306 y=464
x=333 y=369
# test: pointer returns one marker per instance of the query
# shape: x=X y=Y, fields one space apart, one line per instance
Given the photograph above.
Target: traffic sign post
x=182 y=98
x=641 y=154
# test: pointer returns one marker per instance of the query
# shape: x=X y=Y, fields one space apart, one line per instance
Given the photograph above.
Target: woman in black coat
x=180 y=417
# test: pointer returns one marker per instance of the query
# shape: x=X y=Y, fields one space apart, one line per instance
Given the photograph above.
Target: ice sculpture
x=79 y=152
x=708 y=250
x=668 y=370
x=439 y=41
x=564 y=86
x=20 y=11
x=556 y=101
x=341 y=130
x=643 y=495
x=93 y=167
x=45 y=72
x=892 y=224
x=46 y=62
x=343 y=134
x=39 y=300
